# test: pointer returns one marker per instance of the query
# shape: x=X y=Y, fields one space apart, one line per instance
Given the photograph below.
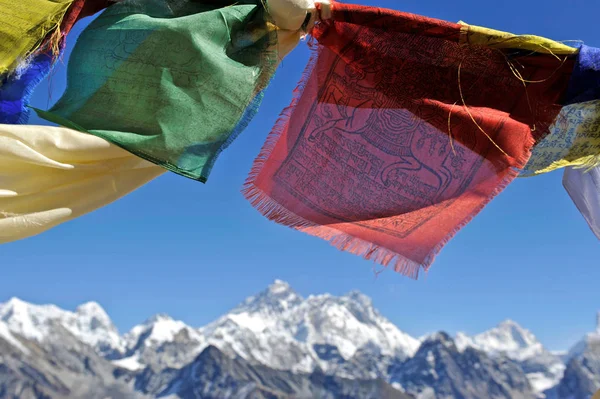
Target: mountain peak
x=360 y=298
x=89 y=323
x=440 y=336
x=16 y=307
x=349 y=322
x=90 y=308
x=277 y=298
x=583 y=345
x=508 y=338
x=522 y=337
x=513 y=326
x=157 y=330
x=28 y=320
x=261 y=311
x=279 y=287
x=277 y=320
x=157 y=318
x=14 y=301
x=94 y=311
x=508 y=323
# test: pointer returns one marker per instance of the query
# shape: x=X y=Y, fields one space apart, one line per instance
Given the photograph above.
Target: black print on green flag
x=172 y=81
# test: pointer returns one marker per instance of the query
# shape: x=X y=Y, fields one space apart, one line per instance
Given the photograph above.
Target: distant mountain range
x=277 y=344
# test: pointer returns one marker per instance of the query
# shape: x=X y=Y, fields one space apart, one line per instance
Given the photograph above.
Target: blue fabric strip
x=585 y=80
x=16 y=89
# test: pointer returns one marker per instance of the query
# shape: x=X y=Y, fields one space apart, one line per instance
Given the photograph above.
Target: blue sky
x=194 y=251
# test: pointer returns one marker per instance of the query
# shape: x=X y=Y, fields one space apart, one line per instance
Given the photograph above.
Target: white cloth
x=289 y=14
x=50 y=175
x=583 y=187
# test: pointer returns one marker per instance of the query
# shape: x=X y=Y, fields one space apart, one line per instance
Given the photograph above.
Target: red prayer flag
x=398 y=135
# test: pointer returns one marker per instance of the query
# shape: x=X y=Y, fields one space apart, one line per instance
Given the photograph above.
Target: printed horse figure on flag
x=394 y=131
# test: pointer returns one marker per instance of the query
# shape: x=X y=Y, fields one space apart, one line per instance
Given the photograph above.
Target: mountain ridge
x=339 y=336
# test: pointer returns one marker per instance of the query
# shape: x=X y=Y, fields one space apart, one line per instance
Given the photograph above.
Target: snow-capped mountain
x=507 y=338
x=263 y=311
x=349 y=323
x=58 y=366
x=89 y=323
x=590 y=339
x=160 y=342
x=280 y=329
x=211 y=373
x=279 y=342
x=440 y=370
x=543 y=369
x=582 y=375
x=277 y=328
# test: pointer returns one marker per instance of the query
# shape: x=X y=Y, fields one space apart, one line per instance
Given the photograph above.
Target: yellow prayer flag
x=477 y=35
x=23 y=26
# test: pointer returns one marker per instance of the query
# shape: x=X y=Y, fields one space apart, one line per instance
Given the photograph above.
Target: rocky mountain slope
x=214 y=375
x=279 y=344
x=60 y=367
x=543 y=369
x=582 y=375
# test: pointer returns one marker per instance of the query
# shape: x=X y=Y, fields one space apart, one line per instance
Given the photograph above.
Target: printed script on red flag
x=399 y=135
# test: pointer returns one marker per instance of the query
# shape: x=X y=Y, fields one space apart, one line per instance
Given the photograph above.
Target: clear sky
x=194 y=251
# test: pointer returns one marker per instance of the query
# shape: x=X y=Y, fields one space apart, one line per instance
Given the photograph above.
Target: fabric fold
x=50 y=175
x=574 y=138
x=400 y=134
x=583 y=187
x=171 y=81
x=480 y=36
x=16 y=87
x=24 y=25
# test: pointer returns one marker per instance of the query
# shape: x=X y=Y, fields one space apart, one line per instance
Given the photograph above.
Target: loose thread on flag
x=462 y=98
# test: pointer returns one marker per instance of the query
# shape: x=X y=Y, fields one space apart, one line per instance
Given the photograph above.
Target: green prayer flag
x=171 y=81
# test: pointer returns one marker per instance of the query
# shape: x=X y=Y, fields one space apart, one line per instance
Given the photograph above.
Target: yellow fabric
x=574 y=140
x=23 y=26
x=477 y=35
x=50 y=175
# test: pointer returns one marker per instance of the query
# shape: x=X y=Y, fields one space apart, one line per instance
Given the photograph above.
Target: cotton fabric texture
x=575 y=137
x=171 y=81
x=16 y=87
x=24 y=25
x=480 y=36
x=583 y=187
x=400 y=134
x=50 y=175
